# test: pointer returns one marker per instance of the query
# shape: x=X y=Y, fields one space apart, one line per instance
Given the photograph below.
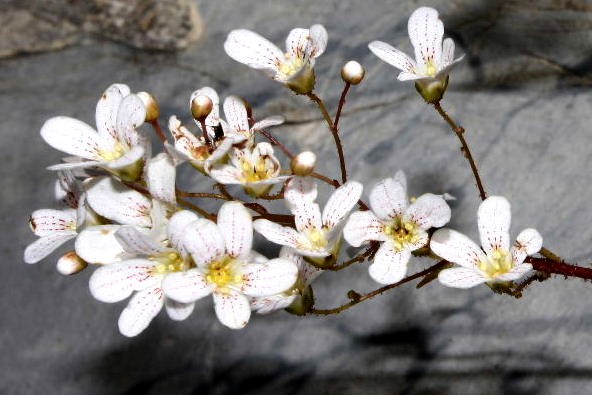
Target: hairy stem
x=459 y=131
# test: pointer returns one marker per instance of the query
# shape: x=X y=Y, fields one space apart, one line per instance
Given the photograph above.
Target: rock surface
x=527 y=120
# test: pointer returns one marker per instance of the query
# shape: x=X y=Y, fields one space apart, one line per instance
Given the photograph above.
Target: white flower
x=116 y=202
x=117 y=281
x=402 y=227
x=316 y=235
x=116 y=145
x=257 y=169
x=306 y=274
x=500 y=262
x=293 y=68
x=55 y=227
x=160 y=174
x=194 y=149
x=226 y=267
x=433 y=57
x=237 y=121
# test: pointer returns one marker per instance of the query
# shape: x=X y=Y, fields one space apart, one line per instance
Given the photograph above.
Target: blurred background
x=523 y=94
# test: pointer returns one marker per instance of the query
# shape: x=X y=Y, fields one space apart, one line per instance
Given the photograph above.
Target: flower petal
x=186 y=287
x=204 y=241
x=342 y=200
x=276 y=233
x=250 y=48
x=425 y=32
x=392 y=56
x=236 y=226
x=307 y=215
x=47 y=221
x=98 y=244
x=363 y=226
x=269 y=304
x=131 y=115
x=178 y=311
x=159 y=174
x=136 y=243
x=140 y=311
x=318 y=41
x=232 y=308
x=456 y=247
x=307 y=273
x=429 y=211
x=528 y=242
x=461 y=277
x=176 y=228
x=45 y=245
x=236 y=114
x=390 y=265
x=447 y=53
x=115 y=201
x=106 y=114
x=388 y=199
x=297 y=43
x=72 y=136
x=299 y=189
x=115 y=282
x=493 y=218
x=226 y=174
x=274 y=276
x=268 y=122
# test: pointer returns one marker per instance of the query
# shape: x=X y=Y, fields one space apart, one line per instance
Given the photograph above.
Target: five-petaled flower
x=499 y=262
x=293 y=68
x=116 y=145
x=317 y=236
x=227 y=268
x=434 y=58
x=401 y=227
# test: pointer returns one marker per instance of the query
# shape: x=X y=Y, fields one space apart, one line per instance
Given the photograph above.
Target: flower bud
x=432 y=90
x=201 y=107
x=303 y=164
x=152 y=108
x=70 y=263
x=353 y=72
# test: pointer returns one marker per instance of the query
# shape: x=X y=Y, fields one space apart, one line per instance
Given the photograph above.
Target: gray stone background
x=523 y=94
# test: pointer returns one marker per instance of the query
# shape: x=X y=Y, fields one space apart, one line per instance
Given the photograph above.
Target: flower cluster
x=123 y=207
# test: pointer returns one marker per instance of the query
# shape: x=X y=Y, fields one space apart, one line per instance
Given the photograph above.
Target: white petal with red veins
x=45 y=245
x=390 y=265
x=160 y=175
x=236 y=226
x=388 y=199
x=106 y=114
x=140 y=311
x=236 y=114
x=232 y=309
x=176 y=228
x=130 y=115
x=204 y=241
x=429 y=211
x=461 y=277
x=115 y=282
x=48 y=221
x=276 y=233
x=493 y=218
x=392 y=56
x=363 y=226
x=342 y=200
x=273 y=277
x=425 y=32
x=72 y=136
x=178 y=311
x=250 y=48
x=186 y=287
x=456 y=247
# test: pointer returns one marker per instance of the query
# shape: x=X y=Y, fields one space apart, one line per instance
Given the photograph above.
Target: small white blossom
x=434 y=58
x=116 y=145
x=499 y=262
x=294 y=67
x=316 y=235
x=257 y=169
x=307 y=273
x=226 y=267
x=402 y=227
x=237 y=126
x=144 y=274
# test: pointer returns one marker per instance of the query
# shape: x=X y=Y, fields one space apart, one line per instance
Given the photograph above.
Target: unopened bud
x=201 y=107
x=70 y=263
x=303 y=164
x=152 y=108
x=352 y=72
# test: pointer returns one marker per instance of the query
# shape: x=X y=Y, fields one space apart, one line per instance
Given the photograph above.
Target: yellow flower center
x=291 y=65
x=316 y=240
x=168 y=262
x=223 y=273
x=253 y=172
x=117 y=152
x=497 y=263
x=431 y=69
x=403 y=233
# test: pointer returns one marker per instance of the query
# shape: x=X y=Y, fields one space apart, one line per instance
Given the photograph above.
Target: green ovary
x=497 y=263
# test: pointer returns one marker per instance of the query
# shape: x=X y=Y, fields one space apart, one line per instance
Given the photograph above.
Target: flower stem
x=277 y=143
x=204 y=132
x=379 y=291
x=334 y=132
x=156 y=125
x=341 y=104
x=182 y=193
x=368 y=254
x=550 y=266
x=459 y=131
